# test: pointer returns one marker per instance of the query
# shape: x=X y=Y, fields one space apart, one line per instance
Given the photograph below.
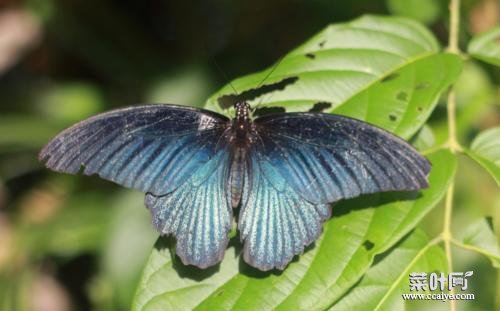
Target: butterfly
x=197 y=167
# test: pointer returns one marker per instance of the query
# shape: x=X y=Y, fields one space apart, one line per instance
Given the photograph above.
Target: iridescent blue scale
x=282 y=171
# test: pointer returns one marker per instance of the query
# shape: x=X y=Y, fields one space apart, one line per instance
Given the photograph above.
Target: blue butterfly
x=196 y=166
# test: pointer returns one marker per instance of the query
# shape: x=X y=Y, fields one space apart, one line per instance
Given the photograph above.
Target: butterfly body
x=240 y=135
x=282 y=171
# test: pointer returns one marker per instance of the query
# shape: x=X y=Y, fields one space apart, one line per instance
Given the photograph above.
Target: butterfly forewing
x=153 y=148
x=328 y=157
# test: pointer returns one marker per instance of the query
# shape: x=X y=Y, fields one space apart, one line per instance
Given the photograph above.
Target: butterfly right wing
x=328 y=157
x=275 y=221
x=303 y=161
x=152 y=148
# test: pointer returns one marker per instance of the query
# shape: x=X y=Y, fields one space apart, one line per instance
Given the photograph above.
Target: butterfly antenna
x=224 y=75
x=270 y=72
x=266 y=77
x=219 y=68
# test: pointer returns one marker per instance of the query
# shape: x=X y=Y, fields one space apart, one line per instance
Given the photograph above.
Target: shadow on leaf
x=228 y=100
x=374 y=200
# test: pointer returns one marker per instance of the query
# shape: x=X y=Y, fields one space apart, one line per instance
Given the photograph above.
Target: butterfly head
x=242 y=110
x=242 y=126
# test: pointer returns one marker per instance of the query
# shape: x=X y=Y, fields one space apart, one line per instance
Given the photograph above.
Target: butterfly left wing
x=152 y=148
x=198 y=213
x=174 y=153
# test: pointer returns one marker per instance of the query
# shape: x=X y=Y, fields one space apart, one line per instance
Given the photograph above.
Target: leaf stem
x=473 y=248
x=446 y=234
x=452 y=139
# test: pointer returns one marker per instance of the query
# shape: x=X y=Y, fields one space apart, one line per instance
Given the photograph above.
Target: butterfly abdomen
x=237 y=175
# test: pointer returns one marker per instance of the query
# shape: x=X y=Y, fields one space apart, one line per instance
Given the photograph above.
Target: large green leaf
x=479 y=237
x=385 y=70
x=358 y=230
x=485 y=149
x=383 y=284
x=486 y=46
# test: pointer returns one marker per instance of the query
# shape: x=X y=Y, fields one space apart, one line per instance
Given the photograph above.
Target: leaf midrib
x=395 y=284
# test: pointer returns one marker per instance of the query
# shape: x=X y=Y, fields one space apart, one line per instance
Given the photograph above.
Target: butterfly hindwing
x=198 y=213
x=153 y=148
x=328 y=157
x=275 y=222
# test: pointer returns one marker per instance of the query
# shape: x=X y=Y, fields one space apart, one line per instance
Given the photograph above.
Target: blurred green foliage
x=83 y=242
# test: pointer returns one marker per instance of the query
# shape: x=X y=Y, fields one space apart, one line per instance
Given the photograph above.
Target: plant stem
x=452 y=125
x=454 y=26
x=446 y=234
x=452 y=139
x=453 y=48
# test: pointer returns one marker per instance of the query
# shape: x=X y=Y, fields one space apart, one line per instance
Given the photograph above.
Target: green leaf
x=485 y=149
x=425 y=11
x=385 y=70
x=424 y=139
x=486 y=46
x=404 y=103
x=359 y=229
x=130 y=235
x=479 y=237
x=167 y=284
x=382 y=285
x=475 y=94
